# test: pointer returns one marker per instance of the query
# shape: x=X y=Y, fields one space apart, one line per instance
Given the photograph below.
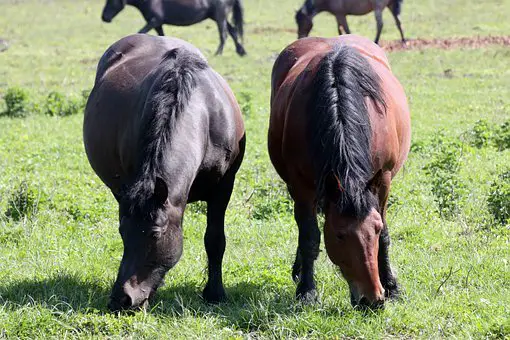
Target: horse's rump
x=332 y=91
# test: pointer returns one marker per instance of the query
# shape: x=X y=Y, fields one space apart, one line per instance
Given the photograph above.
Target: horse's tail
x=397 y=6
x=169 y=95
x=238 y=13
x=339 y=127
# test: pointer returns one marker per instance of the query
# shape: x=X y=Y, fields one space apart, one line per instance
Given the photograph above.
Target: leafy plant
x=59 y=105
x=481 y=134
x=17 y=102
x=443 y=170
x=245 y=103
x=271 y=200
x=22 y=203
x=499 y=198
x=502 y=136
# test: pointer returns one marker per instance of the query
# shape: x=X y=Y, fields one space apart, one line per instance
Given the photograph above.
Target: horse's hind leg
x=379 y=21
x=307 y=252
x=399 y=25
x=222 y=29
x=233 y=33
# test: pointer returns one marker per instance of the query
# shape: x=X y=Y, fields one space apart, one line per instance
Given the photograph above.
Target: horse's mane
x=339 y=129
x=170 y=93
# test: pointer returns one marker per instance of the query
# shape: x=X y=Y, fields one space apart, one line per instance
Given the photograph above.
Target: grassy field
x=58 y=260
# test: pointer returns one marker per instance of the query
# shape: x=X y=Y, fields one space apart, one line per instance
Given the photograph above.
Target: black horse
x=185 y=13
x=162 y=129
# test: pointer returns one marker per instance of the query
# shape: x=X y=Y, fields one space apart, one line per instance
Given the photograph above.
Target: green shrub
x=481 y=134
x=245 y=103
x=270 y=200
x=22 y=203
x=59 y=105
x=499 y=198
x=443 y=169
x=17 y=102
x=502 y=136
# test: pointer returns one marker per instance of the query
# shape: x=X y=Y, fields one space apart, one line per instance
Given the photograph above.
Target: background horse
x=338 y=99
x=341 y=8
x=162 y=129
x=185 y=13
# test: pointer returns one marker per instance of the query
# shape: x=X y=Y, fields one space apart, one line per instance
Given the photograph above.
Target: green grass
x=57 y=265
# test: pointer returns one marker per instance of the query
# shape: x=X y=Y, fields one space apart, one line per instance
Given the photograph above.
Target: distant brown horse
x=341 y=8
x=339 y=132
x=162 y=129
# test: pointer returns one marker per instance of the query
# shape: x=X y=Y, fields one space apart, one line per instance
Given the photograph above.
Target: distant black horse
x=162 y=129
x=185 y=13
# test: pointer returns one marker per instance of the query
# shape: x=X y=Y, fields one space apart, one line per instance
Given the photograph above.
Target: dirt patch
x=446 y=44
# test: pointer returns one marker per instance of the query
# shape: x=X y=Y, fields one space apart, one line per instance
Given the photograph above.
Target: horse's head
x=112 y=8
x=304 y=22
x=353 y=244
x=152 y=238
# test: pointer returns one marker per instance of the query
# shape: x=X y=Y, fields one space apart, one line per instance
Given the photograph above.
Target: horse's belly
x=185 y=16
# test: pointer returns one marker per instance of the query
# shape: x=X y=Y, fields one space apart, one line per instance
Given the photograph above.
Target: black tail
x=170 y=92
x=397 y=6
x=238 y=17
x=339 y=128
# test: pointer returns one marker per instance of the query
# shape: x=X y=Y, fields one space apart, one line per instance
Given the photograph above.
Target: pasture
x=59 y=243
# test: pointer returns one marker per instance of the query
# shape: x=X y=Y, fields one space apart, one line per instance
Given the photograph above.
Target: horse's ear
x=160 y=190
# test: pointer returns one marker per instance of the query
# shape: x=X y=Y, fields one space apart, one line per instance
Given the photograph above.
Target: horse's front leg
x=386 y=275
x=159 y=30
x=379 y=22
x=341 y=21
x=214 y=239
x=308 y=250
x=153 y=23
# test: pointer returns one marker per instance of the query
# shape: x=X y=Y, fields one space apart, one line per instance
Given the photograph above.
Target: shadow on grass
x=250 y=306
x=62 y=292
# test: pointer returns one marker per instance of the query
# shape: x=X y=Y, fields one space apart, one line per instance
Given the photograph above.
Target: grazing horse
x=341 y=8
x=162 y=129
x=339 y=131
x=185 y=13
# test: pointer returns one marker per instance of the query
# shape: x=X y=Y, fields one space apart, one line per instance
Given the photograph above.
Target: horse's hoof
x=309 y=297
x=214 y=296
x=392 y=292
x=241 y=51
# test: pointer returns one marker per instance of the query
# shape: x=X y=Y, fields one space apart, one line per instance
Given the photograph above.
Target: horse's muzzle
x=106 y=18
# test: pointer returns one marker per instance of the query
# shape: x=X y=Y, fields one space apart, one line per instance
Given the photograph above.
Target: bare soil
x=446 y=44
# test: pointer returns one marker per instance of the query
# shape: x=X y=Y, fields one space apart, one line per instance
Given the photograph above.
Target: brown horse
x=339 y=131
x=341 y=8
x=162 y=129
